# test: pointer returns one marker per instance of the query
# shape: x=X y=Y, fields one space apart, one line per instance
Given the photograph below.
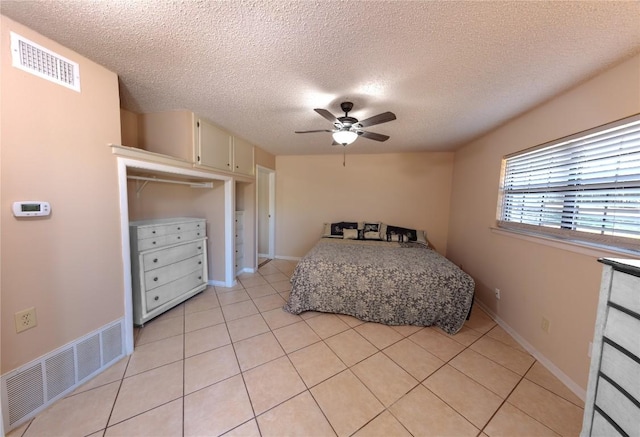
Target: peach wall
x=536 y=280
x=129 y=128
x=404 y=189
x=264 y=158
x=54 y=148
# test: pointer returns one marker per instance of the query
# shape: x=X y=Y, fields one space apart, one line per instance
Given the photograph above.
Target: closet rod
x=169 y=181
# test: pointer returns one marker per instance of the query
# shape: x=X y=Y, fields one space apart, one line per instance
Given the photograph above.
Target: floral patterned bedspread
x=384 y=282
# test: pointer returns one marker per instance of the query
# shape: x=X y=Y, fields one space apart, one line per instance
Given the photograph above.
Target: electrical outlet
x=26 y=319
x=497 y=292
x=545 y=325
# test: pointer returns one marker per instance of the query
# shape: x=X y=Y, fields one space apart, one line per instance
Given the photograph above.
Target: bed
x=390 y=282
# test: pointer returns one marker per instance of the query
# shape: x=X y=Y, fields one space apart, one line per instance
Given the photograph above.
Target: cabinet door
x=242 y=157
x=214 y=146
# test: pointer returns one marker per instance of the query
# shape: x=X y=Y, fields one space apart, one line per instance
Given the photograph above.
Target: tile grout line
x=287 y=355
x=184 y=363
x=115 y=399
x=459 y=413
x=235 y=354
x=505 y=401
x=323 y=340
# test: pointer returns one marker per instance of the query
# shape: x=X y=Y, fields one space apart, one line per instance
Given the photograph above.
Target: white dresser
x=612 y=407
x=168 y=264
x=239 y=241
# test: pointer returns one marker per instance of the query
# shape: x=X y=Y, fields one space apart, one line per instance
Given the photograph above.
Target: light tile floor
x=232 y=362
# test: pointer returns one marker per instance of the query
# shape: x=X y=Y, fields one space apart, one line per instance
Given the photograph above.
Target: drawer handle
x=198 y=234
x=199 y=262
x=155 y=260
x=178 y=238
x=153 y=232
x=155 y=279
x=236 y=250
x=156 y=298
x=178 y=227
x=154 y=242
x=199 y=277
x=199 y=247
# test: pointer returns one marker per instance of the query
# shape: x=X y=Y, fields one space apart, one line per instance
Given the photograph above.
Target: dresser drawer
x=618 y=407
x=625 y=291
x=169 y=228
x=151 y=243
x=162 y=257
x=167 y=292
x=239 y=248
x=623 y=329
x=166 y=274
x=602 y=428
x=622 y=369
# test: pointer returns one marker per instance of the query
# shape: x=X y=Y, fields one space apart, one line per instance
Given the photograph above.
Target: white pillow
x=421 y=237
x=350 y=234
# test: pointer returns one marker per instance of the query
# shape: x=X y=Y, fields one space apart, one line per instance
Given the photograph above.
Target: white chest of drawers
x=239 y=241
x=612 y=407
x=168 y=264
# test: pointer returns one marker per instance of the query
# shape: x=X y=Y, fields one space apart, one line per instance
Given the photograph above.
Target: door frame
x=271 y=210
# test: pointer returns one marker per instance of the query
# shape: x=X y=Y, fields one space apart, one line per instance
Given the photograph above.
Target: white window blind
x=583 y=187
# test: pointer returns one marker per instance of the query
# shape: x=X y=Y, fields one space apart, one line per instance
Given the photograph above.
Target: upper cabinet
x=183 y=135
x=243 y=157
x=220 y=150
x=213 y=146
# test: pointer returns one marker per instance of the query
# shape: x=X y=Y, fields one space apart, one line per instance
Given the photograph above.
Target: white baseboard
x=220 y=283
x=29 y=389
x=546 y=362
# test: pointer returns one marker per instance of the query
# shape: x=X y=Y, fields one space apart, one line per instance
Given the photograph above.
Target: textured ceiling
x=450 y=71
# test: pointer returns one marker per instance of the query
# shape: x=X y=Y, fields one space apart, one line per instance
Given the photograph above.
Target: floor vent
x=111 y=344
x=26 y=392
x=44 y=63
x=36 y=385
x=61 y=373
x=88 y=356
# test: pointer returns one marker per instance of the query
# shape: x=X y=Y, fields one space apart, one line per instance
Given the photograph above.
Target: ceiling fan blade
x=311 y=131
x=378 y=119
x=373 y=136
x=326 y=114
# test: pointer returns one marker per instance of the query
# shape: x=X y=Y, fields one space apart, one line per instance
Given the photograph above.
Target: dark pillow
x=371 y=231
x=372 y=227
x=337 y=228
x=396 y=233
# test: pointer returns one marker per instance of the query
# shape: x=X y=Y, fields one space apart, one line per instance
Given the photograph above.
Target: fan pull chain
x=344 y=156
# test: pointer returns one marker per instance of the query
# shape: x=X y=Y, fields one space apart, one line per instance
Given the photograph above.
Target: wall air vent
x=30 y=389
x=42 y=62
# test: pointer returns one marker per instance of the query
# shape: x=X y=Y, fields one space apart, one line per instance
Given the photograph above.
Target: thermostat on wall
x=31 y=208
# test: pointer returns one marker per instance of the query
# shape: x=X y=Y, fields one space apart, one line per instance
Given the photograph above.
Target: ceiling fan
x=348 y=129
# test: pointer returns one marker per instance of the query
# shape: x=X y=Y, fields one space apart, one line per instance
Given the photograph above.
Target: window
x=584 y=187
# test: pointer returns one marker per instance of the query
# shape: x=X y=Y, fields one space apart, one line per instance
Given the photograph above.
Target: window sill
x=583 y=248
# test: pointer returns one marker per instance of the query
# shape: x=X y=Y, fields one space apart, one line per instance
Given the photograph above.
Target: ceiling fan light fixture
x=344 y=137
